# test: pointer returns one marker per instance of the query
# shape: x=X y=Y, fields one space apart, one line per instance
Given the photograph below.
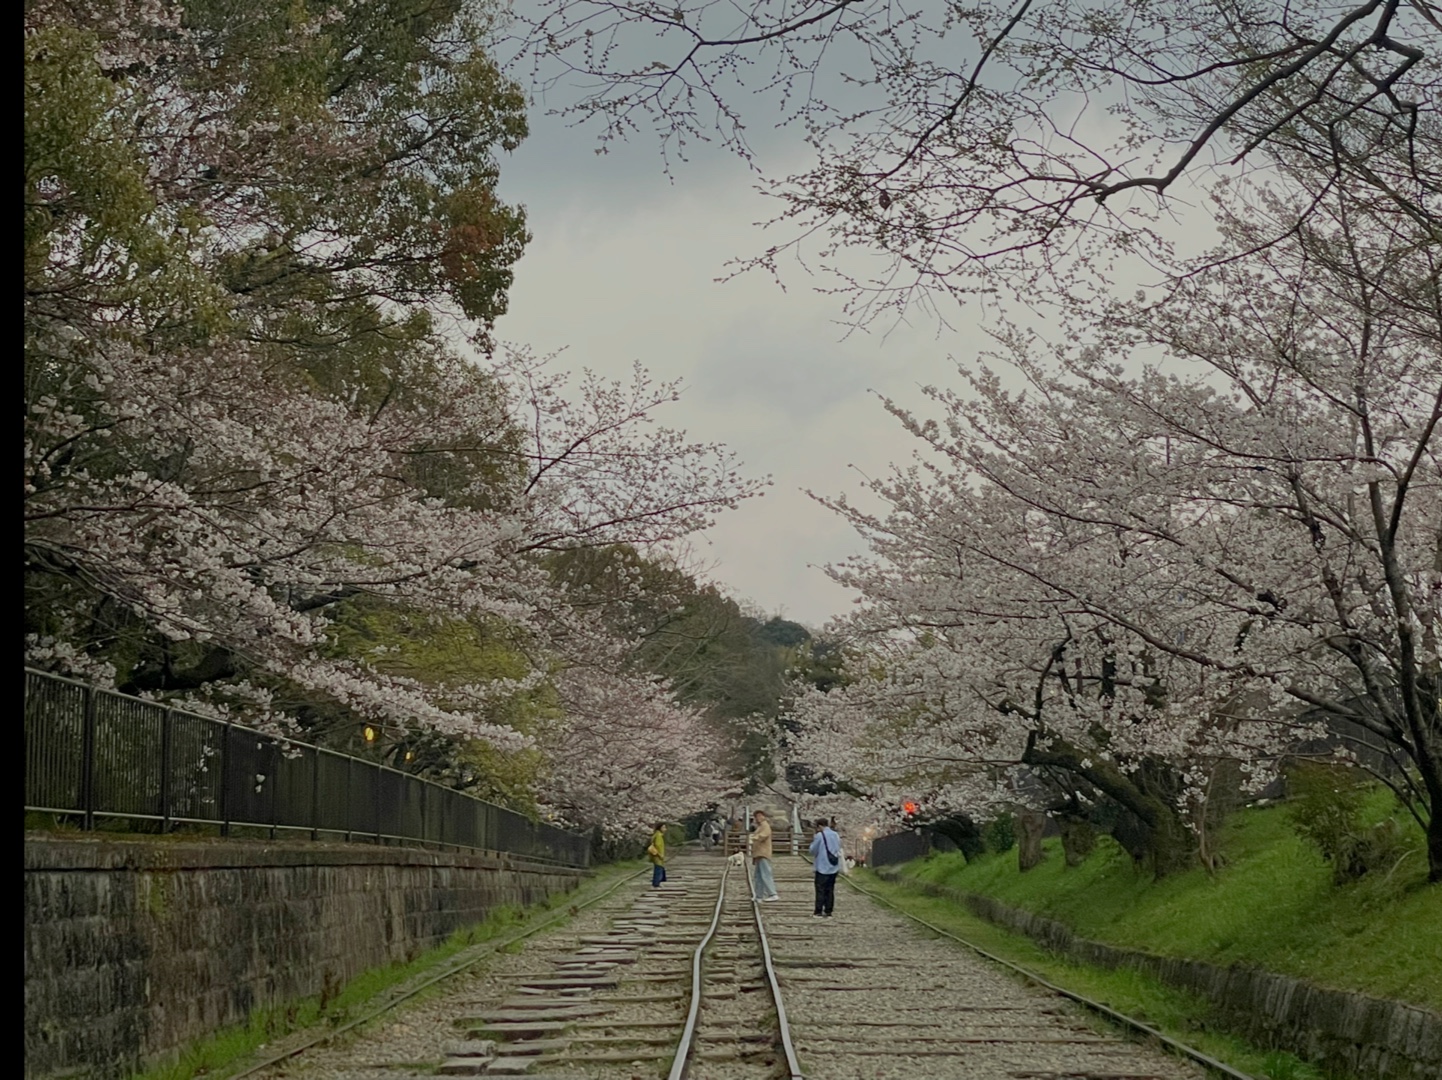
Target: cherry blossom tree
x=628 y=755
x=230 y=511
x=255 y=239
x=1135 y=571
x=734 y=665
x=1029 y=144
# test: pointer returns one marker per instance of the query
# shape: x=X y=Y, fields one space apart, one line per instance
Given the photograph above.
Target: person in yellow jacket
x=657 y=854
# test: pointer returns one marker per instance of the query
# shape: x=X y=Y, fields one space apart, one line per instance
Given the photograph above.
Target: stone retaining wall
x=135 y=948
x=1348 y=1034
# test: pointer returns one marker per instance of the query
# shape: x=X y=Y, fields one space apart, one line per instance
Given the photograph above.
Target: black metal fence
x=899 y=848
x=93 y=754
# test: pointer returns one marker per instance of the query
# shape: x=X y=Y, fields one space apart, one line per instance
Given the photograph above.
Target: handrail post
x=349 y=795
x=315 y=793
x=445 y=812
x=273 y=777
x=225 y=780
x=377 y=801
x=87 y=762
x=167 y=756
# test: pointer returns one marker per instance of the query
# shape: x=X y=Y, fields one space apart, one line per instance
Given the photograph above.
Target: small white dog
x=736 y=860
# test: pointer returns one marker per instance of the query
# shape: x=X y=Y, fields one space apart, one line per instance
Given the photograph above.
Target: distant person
x=763 y=884
x=826 y=861
x=656 y=852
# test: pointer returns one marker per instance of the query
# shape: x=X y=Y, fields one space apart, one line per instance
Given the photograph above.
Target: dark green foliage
x=783 y=632
x=1000 y=833
x=822 y=664
x=1327 y=808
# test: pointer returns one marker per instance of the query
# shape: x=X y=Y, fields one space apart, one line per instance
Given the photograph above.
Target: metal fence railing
x=95 y=754
x=899 y=847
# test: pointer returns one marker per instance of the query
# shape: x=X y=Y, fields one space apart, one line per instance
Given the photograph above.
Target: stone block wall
x=1348 y=1034
x=134 y=948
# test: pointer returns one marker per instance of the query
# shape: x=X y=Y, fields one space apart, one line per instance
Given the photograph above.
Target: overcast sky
x=623 y=267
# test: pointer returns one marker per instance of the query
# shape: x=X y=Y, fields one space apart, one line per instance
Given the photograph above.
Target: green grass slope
x=1273 y=906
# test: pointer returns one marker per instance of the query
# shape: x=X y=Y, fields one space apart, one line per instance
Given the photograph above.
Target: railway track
x=690 y=957
x=873 y=996
x=695 y=981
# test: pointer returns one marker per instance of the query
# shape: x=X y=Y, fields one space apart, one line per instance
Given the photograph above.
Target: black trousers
x=825 y=893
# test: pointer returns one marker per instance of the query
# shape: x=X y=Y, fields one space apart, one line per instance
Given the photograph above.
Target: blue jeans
x=763 y=884
x=658 y=874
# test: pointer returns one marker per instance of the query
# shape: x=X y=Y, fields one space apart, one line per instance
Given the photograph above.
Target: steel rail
x=489 y=949
x=1111 y=1014
x=682 y=1059
x=793 y=1067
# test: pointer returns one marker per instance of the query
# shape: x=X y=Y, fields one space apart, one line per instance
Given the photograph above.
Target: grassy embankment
x=231 y=1049
x=1272 y=906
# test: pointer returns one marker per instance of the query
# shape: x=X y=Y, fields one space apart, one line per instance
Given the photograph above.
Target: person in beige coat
x=763 y=884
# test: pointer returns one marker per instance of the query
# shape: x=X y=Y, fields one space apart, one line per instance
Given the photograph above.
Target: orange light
x=369 y=733
x=908 y=807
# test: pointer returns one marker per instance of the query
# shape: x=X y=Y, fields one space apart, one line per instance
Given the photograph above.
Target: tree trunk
x=1029 y=826
x=962 y=831
x=1171 y=843
x=1160 y=839
x=1434 y=846
x=1428 y=757
x=1077 y=839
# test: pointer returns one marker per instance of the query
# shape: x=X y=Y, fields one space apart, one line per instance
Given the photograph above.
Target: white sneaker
x=769 y=898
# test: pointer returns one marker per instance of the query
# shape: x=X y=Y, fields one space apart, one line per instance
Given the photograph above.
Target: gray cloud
x=777 y=364
x=624 y=267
